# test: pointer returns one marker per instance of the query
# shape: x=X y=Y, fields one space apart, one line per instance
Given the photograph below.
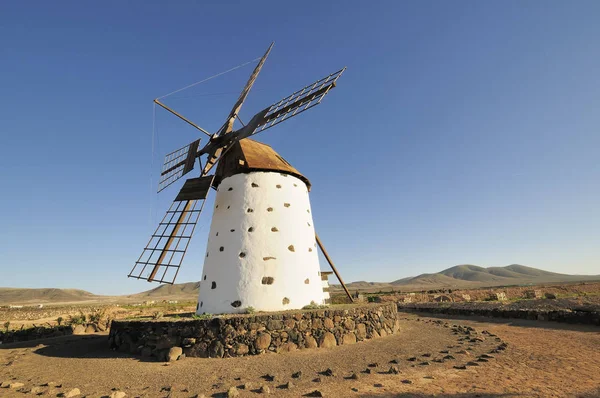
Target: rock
x=361 y=331
x=247 y=386
x=268 y=377
x=241 y=349
x=117 y=394
x=289 y=385
x=426 y=355
x=328 y=323
x=310 y=342
x=71 y=393
x=482 y=360
x=78 y=329
x=349 y=338
x=354 y=389
x=264 y=389
x=354 y=376
x=367 y=371
x=461 y=367
x=463 y=352
x=5 y=384
x=14 y=386
x=349 y=324
x=317 y=380
x=394 y=361
x=174 y=354
x=429 y=377
x=146 y=352
x=486 y=356
x=379 y=385
x=52 y=384
x=37 y=391
x=188 y=341
x=232 y=392
x=412 y=359
x=450 y=357
x=327 y=340
x=406 y=381
x=426 y=363
x=471 y=363
x=287 y=347
x=297 y=374
x=393 y=370
x=263 y=341
x=216 y=350
x=315 y=393
x=90 y=328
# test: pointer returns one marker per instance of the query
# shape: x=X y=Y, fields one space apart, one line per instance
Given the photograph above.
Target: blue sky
x=462 y=132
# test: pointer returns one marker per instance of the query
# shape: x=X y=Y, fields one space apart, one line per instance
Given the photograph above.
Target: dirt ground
x=541 y=359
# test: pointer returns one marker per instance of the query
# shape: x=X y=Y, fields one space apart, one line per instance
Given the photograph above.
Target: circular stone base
x=239 y=335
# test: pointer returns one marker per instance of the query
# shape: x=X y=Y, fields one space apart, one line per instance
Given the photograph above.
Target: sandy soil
x=542 y=359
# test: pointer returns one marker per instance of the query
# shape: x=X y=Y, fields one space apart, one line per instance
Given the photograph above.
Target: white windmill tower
x=262 y=246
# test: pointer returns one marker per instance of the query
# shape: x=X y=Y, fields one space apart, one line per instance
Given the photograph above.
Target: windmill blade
x=228 y=126
x=161 y=258
x=177 y=164
x=298 y=102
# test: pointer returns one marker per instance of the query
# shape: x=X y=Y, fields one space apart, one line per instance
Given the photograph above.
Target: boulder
x=327 y=340
x=241 y=349
x=174 y=353
x=310 y=342
x=71 y=393
x=90 y=328
x=78 y=329
x=263 y=341
x=349 y=338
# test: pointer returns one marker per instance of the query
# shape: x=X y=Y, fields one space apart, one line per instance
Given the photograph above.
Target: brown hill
x=463 y=276
x=187 y=290
x=10 y=295
x=472 y=276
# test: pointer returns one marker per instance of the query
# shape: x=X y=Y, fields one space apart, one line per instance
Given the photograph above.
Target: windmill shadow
x=74 y=346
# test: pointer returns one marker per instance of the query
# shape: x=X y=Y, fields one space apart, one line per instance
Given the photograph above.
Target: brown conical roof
x=248 y=155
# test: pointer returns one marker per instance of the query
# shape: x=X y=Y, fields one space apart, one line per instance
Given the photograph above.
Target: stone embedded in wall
x=252 y=334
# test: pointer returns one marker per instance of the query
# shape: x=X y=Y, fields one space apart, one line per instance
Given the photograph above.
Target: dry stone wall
x=583 y=316
x=253 y=334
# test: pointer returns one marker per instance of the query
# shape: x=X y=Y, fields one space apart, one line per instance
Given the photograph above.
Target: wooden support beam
x=157 y=102
x=335 y=271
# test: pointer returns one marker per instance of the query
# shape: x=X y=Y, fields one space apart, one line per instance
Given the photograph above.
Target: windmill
x=262 y=246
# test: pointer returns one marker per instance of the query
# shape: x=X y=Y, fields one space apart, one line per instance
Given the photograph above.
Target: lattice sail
x=177 y=164
x=299 y=101
x=161 y=258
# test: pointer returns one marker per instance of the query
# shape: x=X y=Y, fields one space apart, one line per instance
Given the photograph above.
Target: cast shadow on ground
x=74 y=346
x=417 y=395
x=576 y=327
x=591 y=394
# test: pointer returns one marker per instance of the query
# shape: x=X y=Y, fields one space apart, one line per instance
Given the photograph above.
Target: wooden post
x=333 y=267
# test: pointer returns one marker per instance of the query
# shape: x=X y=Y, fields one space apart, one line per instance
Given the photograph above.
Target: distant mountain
x=468 y=275
x=10 y=295
x=471 y=276
x=183 y=290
